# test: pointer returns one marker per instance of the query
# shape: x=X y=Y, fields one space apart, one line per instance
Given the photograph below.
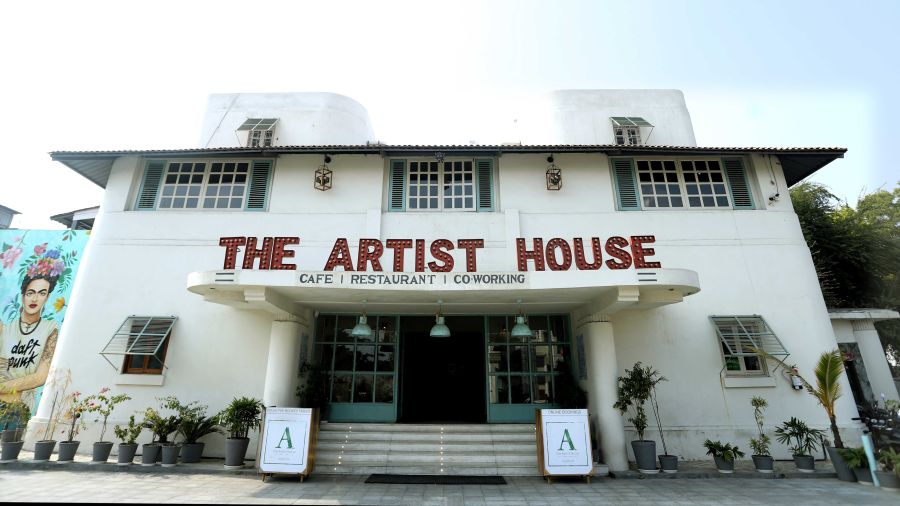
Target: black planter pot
x=722 y=465
x=126 y=454
x=805 y=463
x=149 y=452
x=888 y=480
x=191 y=453
x=10 y=451
x=67 y=450
x=763 y=463
x=840 y=467
x=645 y=455
x=43 y=450
x=100 y=452
x=668 y=463
x=170 y=455
x=863 y=475
x=235 y=449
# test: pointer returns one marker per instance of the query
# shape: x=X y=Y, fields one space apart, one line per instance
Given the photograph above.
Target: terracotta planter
x=101 y=451
x=126 y=454
x=67 y=450
x=43 y=450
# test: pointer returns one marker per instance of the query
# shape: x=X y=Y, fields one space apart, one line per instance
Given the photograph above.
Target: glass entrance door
x=442 y=379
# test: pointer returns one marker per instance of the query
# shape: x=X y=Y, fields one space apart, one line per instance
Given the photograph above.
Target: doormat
x=434 y=479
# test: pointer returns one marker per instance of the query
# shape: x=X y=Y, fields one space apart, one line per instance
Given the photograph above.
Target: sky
x=92 y=75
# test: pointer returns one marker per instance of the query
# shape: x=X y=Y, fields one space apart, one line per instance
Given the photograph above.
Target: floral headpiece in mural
x=49 y=264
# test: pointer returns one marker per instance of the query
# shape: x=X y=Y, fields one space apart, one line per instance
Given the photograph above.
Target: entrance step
x=380 y=448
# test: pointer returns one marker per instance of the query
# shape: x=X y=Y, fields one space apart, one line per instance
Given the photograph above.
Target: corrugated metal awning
x=741 y=335
x=139 y=335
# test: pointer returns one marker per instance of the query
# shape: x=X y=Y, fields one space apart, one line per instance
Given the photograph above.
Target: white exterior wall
x=749 y=262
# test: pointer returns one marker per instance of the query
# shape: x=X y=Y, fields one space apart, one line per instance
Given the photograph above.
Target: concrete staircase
x=367 y=448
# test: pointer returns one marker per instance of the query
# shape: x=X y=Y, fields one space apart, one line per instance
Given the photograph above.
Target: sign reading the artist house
x=373 y=255
x=564 y=442
x=287 y=441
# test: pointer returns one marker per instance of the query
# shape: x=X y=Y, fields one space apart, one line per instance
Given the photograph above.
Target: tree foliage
x=856 y=251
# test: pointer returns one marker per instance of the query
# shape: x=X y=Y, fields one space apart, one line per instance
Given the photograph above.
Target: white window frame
x=682 y=185
x=204 y=185
x=630 y=136
x=260 y=138
x=442 y=187
x=744 y=370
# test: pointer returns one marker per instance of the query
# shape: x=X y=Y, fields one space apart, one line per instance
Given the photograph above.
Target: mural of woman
x=30 y=340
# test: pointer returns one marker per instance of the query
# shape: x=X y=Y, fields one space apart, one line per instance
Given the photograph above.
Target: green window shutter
x=485 y=172
x=260 y=179
x=397 y=186
x=627 y=196
x=741 y=196
x=150 y=185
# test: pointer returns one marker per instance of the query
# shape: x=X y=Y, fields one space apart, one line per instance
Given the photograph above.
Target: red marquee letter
x=437 y=251
x=231 y=248
x=640 y=252
x=612 y=248
x=399 y=246
x=524 y=255
x=366 y=255
x=340 y=255
x=279 y=253
x=580 y=261
x=554 y=243
x=264 y=254
x=470 y=245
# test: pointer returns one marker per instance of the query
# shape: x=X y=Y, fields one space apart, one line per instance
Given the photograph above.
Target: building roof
x=84 y=217
x=10 y=211
x=797 y=163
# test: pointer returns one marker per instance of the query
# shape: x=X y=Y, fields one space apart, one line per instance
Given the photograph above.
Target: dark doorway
x=442 y=379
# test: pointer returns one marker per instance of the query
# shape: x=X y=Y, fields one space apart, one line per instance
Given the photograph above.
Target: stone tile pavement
x=66 y=484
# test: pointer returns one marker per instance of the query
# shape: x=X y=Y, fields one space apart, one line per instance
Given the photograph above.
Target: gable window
x=142 y=341
x=740 y=337
x=627 y=130
x=260 y=131
x=446 y=185
x=205 y=184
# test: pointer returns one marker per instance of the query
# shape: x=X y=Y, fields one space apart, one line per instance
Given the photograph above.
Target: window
x=362 y=370
x=627 y=131
x=431 y=185
x=740 y=337
x=260 y=131
x=524 y=371
x=205 y=184
x=682 y=183
x=143 y=343
x=438 y=186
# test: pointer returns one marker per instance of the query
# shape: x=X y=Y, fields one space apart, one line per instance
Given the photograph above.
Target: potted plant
x=889 y=474
x=16 y=413
x=241 y=416
x=77 y=405
x=858 y=462
x=103 y=404
x=828 y=372
x=761 y=459
x=668 y=463
x=128 y=437
x=802 y=440
x=723 y=454
x=162 y=427
x=59 y=382
x=634 y=389
x=194 y=425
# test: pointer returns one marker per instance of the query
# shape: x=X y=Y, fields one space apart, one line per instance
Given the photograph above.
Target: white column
x=283 y=363
x=602 y=368
x=872 y=352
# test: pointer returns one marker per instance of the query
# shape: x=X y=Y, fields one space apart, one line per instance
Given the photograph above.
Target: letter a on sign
x=566 y=439
x=287 y=437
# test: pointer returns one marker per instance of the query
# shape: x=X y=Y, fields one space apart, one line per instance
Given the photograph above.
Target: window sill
x=140 y=379
x=748 y=381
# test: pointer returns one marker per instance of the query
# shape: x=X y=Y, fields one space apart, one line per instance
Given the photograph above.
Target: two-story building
x=453 y=284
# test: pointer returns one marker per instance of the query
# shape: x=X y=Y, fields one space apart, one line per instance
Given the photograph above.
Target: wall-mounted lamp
x=440 y=329
x=323 y=176
x=554 y=175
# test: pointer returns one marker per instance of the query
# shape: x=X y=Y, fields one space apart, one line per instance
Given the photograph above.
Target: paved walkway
x=65 y=485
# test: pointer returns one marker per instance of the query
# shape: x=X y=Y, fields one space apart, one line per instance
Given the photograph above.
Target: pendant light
x=521 y=329
x=362 y=330
x=439 y=329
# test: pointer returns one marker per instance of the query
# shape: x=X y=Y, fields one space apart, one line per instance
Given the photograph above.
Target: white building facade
x=261 y=250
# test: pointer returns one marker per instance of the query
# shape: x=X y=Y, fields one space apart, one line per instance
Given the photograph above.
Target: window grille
x=741 y=337
x=140 y=335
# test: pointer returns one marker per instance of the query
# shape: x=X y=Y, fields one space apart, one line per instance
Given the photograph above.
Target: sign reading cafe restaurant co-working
x=556 y=255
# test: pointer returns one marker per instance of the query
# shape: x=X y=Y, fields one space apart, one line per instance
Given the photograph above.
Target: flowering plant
x=77 y=406
x=49 y=264
x=103 y=403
